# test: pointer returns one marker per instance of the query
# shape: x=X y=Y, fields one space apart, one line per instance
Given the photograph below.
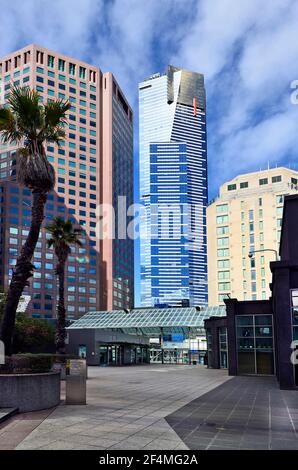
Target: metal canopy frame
x=150 y=321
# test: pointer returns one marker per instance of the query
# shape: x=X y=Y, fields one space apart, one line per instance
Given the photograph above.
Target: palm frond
x=63 y=233
x=55 y=113
x=8 y=128
x=24 y=104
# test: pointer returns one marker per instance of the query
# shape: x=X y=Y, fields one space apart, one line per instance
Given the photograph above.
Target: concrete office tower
x=93 y=165
x=246 y=217
x=173 y=187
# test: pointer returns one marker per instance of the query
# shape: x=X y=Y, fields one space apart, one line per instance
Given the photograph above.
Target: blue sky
x=248 y=51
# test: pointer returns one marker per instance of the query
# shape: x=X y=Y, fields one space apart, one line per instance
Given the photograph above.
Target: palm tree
x=27 y=122
x=63 y=235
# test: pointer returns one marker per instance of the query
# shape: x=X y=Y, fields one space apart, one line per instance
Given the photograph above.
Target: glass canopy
x=150 y=321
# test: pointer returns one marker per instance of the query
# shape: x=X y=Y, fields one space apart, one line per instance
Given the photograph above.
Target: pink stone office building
x=94 y=165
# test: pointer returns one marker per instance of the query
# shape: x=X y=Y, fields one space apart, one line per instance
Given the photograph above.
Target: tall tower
x=93 y=165
x=173 y=188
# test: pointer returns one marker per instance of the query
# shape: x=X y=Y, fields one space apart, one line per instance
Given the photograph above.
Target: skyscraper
x=246 y=218
x=173 y=188
x=93 y=165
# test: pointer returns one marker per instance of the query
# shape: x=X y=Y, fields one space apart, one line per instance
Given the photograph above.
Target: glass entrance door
x=103 y=355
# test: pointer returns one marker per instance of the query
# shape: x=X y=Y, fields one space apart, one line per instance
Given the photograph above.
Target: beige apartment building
x=246 y=218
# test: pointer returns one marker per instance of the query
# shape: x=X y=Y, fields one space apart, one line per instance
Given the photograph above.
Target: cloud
x=64 y=25
x=248 y=52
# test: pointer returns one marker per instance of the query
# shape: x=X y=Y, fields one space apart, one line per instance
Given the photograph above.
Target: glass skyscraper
x=173 y=188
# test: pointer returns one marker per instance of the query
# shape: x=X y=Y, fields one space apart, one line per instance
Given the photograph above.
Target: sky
x=247 y=50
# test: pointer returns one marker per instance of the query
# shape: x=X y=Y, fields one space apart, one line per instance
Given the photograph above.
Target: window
x=223 y=275
x=223 y=263
x=221 y=230
x=82 y=72
x=224 y=286
x=61 y=65
x=232 y=187
x=72 y=69
x=244 y=185
x=222 y=219
x=279 y=199
x=276 y=179
x=223 y=241
x=294 y=182
x=263 y=181
x=50 y=61
x=223 y=252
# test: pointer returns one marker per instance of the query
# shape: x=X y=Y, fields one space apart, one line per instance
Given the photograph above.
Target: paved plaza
x=126 y=409
x=159 y=407
x=249 y=413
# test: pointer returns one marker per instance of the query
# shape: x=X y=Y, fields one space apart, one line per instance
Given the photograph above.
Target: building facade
x=173 y=189
x=172 y=335
x=97 y=147
x=246 y=218
x=260 y=337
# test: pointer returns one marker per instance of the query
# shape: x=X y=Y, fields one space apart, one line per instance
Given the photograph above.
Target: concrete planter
x=30 y=392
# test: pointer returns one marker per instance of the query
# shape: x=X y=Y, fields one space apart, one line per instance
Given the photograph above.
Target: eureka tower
x=173 y=188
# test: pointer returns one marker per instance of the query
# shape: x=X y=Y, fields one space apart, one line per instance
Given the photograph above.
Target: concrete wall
x=30 y=392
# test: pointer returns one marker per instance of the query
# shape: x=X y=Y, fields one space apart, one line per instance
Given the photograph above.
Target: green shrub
x=27 y=364
x=33 y=335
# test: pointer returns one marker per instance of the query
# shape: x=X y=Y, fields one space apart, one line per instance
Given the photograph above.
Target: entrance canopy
x=150 y=321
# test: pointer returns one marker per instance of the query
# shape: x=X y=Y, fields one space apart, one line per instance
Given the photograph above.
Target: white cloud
x=249 y=54
x=247 y=50
x=65 y=25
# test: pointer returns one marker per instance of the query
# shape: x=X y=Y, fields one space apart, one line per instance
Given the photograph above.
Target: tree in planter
x=28 y=123
x=63 y=235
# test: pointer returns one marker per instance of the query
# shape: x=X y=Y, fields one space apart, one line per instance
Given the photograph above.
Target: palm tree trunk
x=22 y=271
x=61 y=311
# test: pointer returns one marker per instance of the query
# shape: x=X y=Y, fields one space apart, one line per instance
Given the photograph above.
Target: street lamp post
x=251 y=253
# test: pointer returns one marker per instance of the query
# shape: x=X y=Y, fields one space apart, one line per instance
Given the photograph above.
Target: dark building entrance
x=120 y=354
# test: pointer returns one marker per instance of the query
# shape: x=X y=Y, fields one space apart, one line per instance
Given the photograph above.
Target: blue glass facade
x=173 y=187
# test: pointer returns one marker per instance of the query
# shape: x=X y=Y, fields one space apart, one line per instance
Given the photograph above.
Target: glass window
x=51 y=61
x=72 y=69
x=61 y=65
x=255 y=344
x=276 y=179
x=222 y=208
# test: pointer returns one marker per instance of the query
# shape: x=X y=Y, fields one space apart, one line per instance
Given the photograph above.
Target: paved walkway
x=126 y=409
x=243 y=413
x=164 y=407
